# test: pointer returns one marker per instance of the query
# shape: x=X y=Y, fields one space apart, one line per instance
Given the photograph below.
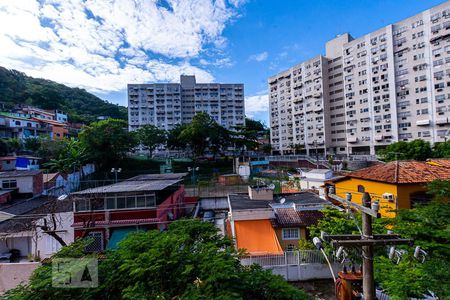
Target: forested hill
x=82 y=106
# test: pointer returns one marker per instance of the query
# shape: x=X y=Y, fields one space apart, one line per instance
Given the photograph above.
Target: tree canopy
x=204 y=133
x=151 y=137
x=107 y=141
x=190 y=260
x=416 y=149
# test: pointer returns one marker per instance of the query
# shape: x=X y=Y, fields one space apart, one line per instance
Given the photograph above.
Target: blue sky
x=103 y=45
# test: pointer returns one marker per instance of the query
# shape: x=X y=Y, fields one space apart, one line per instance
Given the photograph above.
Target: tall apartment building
x=168 y=104
x=390 y=85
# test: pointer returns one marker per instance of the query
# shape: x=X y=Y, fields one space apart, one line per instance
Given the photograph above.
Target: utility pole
x=367 y=240
x=367 y=252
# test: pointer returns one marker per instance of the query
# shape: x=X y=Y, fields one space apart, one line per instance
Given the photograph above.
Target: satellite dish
x=282 y=200
x=271 y=186
x=62 y=197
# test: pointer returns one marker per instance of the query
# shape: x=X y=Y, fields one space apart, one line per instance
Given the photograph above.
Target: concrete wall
x=12 y=274
x=22 y=243
x=304 y=271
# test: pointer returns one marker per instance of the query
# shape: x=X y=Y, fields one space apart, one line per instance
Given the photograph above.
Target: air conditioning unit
x=389 y=197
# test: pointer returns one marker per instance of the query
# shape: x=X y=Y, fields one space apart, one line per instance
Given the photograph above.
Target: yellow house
x=397 y=184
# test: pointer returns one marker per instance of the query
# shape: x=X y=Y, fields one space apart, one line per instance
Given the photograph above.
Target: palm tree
x=296 y=148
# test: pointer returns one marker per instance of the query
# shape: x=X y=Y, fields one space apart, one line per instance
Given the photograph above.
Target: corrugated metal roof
x=130 y=186
x=167 y=176
x=19 y=173
x=242 y=201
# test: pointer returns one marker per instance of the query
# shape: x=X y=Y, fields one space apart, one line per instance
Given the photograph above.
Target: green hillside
x=18 y=88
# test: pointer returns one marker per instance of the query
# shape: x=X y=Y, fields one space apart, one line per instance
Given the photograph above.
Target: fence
x=294 y=265
x=288 y=258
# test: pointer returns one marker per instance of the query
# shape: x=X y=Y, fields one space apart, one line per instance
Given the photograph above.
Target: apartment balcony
x=318 y=108
x=317 y=95
x=352 y=139
x=441 y=121
x=423 y=122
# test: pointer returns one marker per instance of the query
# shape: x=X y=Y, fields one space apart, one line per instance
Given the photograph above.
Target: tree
x=32 y=144
x=254 y=125
x=107 y=141
x=267 y=148
x=50 y=149
x=297 y=148
x=416 y=149
x=190 y=260
x=173 y=137
x=151 y=137
x=14 y=145
x=4 y=147
x=70 y=158
x=198 y=133
x=428 y=226
x=219 y=139
x=441 y=150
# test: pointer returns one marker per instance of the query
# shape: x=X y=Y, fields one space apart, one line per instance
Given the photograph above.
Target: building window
x=9 y=184
x=291 y=233
x=419 y=198
x=96 y=244
x=361 y=189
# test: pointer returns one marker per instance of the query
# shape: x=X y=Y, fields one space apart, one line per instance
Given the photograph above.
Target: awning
x=119 y=234
x=257 y=237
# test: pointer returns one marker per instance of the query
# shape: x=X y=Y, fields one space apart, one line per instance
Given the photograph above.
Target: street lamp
x=318 y=243
x=115 y=171
x=193 y=169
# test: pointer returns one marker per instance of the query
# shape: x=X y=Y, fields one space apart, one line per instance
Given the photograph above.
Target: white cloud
x=220 y=62
x=259 y=56
x=256 y=104
x=103 y=45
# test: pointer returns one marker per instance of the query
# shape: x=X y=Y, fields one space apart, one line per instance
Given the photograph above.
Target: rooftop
x=304 y=198
x=242 y=201
x=292 y=217
x=130 y=186
x=34 y=209
x=404 y=172
x=157 y=176
x=19 y=173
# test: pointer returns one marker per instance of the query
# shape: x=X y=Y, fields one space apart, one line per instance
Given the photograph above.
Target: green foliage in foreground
x=427 y=225
x=189 y=261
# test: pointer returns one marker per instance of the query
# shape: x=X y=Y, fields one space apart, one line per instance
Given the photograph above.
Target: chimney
x=261 y=192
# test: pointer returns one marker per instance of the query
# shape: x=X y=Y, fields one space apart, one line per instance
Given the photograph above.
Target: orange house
x=59 y=130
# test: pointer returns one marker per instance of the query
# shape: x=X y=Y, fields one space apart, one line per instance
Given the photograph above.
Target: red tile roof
x=289 y=217
x=444 y=162
x=408 y=171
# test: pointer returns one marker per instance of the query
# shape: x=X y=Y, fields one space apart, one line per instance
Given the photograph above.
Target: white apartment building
x=168 y=104
x=390 y=85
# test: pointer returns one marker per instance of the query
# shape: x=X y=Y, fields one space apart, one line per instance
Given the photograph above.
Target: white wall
x=25 y=184
x=46 y=244
x=20 y=242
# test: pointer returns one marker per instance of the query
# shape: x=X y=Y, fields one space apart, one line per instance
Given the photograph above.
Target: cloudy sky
x=101 y=45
